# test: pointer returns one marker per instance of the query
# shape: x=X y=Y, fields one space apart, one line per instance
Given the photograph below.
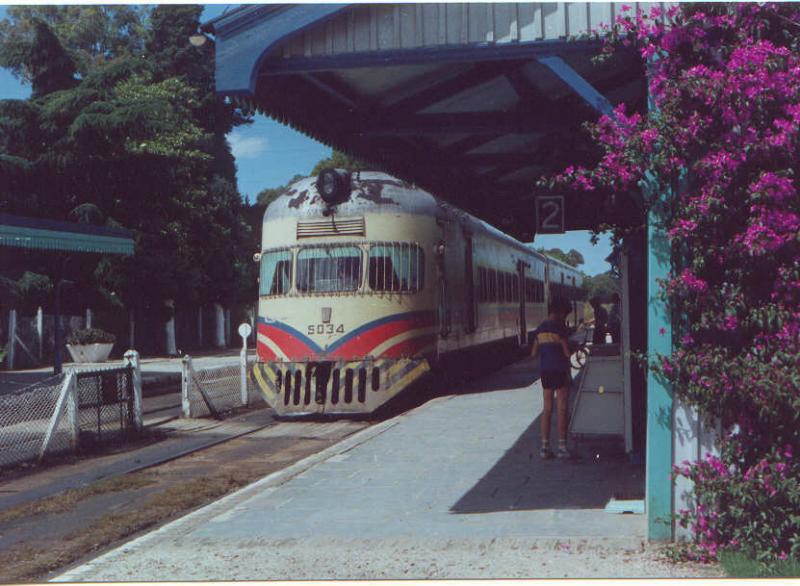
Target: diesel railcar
x=367 y=283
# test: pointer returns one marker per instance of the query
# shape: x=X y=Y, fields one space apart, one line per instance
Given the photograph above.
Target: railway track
x=120 y=498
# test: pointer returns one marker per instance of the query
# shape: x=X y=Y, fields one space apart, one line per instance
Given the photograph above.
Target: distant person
x=615 y=319
x=600 y=321
x=550 y=339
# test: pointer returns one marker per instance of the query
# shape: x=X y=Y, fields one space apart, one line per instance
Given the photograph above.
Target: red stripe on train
x=408 y=348
x=367 y=341
x=265 y=352
x=293 y=348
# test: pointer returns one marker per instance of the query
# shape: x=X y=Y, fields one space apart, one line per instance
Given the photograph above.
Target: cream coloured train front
x=367 y=283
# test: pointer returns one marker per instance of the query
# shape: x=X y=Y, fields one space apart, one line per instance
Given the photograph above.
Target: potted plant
x=90 y=345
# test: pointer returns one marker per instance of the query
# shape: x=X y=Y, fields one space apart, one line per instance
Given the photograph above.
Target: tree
x=91 y=35
x=270 y=194
x=717 y=158
x=339 y=160
x=141 y=138
x=602 y=286
x=573 y=258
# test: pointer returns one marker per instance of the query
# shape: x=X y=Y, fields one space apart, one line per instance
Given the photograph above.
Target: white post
x=132 y=359
x=219 y=340
x=244 y=332
x=67 y=402
x=12 y=337
x=88 y=318
x=200 y=327
x=227 y=327
x=131 y=329
x=72 y=411
x=186 y=405
x=169 y=329
x=40 y=330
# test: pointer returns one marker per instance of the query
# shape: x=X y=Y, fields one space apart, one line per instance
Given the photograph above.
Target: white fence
x=212 y=391
x=76 y=409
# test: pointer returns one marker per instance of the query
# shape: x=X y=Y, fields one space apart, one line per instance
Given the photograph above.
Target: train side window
x=492 y=275
x=501 y=288
x=398 y=266
x=276 y=272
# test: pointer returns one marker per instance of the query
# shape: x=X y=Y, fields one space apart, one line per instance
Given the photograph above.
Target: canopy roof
x=40 y=234
x=473 y=102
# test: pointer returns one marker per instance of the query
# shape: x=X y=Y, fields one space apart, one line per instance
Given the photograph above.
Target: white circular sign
x=244 y=330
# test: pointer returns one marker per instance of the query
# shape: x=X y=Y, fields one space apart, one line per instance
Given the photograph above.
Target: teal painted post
x=658 y=445
x=658 y=479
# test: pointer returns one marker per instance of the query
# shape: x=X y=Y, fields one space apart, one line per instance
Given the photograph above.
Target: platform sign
x=550 y=214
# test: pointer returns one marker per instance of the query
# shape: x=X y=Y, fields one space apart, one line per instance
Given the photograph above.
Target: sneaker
x=563 y=453
x=545 y=453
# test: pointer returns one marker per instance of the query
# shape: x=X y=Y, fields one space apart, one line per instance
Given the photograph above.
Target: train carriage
x=367 y=283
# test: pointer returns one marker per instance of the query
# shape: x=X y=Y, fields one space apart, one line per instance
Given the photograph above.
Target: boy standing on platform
x=550 y=339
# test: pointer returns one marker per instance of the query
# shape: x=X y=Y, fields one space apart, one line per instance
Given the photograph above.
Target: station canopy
x=52 y=235
x=473 y=102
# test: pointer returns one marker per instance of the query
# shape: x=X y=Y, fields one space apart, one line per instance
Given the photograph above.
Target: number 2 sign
x=550 y=214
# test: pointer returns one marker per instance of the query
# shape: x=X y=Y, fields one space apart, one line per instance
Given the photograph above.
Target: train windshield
x=329 y=269
x=396 y=266
x=276 y=272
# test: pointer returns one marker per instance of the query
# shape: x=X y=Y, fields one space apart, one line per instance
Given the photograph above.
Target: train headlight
x=333 y=186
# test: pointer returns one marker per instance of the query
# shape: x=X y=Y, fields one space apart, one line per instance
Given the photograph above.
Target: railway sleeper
x=340 y=387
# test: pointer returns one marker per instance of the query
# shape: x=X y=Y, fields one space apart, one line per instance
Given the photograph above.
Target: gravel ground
x=400 y=558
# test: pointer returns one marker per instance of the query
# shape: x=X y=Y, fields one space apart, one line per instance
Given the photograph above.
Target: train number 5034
x=325 y=329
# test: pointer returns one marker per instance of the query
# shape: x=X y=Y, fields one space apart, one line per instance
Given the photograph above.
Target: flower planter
x=89 y=352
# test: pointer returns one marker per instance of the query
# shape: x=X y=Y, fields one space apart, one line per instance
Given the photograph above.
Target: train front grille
x=301 y=386
x=335 y=387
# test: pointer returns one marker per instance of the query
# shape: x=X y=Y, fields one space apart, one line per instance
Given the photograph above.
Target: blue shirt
x=549 y=335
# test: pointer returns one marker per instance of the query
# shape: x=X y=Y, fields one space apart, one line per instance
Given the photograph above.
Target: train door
x=443 y=293
x=470 y=317
x=523 y=326
x=442 y=297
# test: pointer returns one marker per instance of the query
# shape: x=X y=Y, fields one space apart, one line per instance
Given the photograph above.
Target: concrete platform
x=453 y=489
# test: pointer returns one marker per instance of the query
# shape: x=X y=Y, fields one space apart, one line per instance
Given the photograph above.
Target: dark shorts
x=555 y=380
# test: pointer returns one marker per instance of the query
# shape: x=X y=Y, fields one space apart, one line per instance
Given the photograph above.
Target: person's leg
x=545 y=420
x=563 y=423
x=561 y=406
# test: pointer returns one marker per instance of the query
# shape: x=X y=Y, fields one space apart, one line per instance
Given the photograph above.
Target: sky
x=268 y=154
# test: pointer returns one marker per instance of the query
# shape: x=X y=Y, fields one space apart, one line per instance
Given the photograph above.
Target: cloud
x=246 y=147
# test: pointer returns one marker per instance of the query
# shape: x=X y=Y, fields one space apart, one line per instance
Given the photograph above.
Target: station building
x=474 y=102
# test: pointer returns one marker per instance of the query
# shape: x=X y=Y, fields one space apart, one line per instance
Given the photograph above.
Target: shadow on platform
x=521 y=480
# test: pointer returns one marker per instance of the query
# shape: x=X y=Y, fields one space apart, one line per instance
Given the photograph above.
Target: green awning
x=41 y=234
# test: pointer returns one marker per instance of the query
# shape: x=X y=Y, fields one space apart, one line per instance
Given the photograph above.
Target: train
x=368 y=284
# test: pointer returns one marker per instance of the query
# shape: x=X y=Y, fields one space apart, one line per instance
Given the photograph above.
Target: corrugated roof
x=44 y=234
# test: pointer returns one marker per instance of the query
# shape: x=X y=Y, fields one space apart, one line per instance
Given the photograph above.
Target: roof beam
x=467 y=144
x=432 y=95
x=475 y=52
x=486 y=123
x=334 y=88
x=579 y=85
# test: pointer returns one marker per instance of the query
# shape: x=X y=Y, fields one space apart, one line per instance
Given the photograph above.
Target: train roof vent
x=332 y=226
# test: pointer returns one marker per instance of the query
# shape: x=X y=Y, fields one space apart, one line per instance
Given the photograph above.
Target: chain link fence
x=105 y=405
x=25 y=416
x=212 y=391
x=77 y=410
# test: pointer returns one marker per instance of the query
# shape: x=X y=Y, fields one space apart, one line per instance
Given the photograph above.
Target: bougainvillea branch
x=723 y=140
